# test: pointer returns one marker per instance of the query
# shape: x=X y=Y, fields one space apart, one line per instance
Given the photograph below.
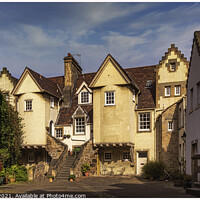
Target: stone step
x=196 y=184
x=193 y=191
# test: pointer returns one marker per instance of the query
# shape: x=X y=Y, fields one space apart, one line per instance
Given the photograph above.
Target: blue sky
x=39 y=35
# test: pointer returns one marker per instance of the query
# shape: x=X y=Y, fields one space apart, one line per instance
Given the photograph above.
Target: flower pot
x=50 y=180
x=87 y=174
x=12 y=180
x=71 y=179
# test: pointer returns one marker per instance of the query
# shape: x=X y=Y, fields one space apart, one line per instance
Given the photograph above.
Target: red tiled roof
x=65 y=114
x=46 y=84
x=147 y=97
x=58 y=80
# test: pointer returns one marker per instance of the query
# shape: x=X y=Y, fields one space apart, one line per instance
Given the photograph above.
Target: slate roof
x=147 y=97
x=140 y=75
x=46 y=84
x=65 y=114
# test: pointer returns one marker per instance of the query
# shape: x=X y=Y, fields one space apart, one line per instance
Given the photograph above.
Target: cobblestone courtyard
x=92 y=187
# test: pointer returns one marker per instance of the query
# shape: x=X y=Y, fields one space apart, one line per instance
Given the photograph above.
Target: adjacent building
x=193 y=111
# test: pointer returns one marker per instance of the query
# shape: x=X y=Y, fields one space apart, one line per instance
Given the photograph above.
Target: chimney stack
x=71 y=71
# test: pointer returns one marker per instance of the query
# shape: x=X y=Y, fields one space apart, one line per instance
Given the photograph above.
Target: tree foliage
x=10 y=133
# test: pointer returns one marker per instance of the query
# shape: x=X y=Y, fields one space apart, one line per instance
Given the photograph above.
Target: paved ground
x=92 y=187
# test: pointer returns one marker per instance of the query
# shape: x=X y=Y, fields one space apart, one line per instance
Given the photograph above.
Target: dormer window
x=85 y=97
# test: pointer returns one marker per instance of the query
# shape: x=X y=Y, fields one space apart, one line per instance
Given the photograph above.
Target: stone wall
x=89 y=155
x=169 y=139
x=54 y=147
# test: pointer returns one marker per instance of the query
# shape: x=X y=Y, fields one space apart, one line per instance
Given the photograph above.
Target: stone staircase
x=195 y=190
x=65 y=170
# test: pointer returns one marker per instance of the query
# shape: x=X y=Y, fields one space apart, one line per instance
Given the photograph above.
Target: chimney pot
x=69 y=54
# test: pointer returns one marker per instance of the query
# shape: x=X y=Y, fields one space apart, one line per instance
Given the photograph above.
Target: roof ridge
x=140 y=67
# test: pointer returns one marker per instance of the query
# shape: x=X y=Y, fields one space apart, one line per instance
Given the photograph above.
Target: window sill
x=28 y=111
x=167 y=96
x=144 y=131
x=109 y=105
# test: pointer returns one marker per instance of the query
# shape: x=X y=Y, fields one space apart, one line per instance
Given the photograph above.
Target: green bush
x=21 y=174
x=15 y=171
x=153 y=169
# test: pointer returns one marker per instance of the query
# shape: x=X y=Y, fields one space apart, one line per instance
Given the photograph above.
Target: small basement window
x=107 y=156
x=126 y=156
x=31 y=157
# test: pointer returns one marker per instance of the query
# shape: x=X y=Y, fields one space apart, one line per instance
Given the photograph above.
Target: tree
x=10 y=133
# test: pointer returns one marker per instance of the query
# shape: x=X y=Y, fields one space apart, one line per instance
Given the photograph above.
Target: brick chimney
x=71 y=71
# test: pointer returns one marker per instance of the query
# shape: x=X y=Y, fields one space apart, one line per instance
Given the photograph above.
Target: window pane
x=110 y=98
x=84 y=97
x=144 y=121
x=79 y=125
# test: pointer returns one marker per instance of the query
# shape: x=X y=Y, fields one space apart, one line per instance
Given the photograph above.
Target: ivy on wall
x=10 y=133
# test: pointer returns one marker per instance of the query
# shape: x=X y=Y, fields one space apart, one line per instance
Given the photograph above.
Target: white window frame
x=126 y=155
x=28 y=107
x=140 y=122
x=58 y=136
x=107 y=159
x=170 y=125
x=52 y=102
x=107 y=98
x=84 y=102
x=179 y=90
x=31 y=157
x=168 y=93
x=79 y=126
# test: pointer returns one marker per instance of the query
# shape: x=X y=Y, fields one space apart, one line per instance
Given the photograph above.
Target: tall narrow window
x=177 y=90
x=191 y=99
x=110 y=98
x=170 y=126
x=79 y=125
x=144 y=122
x=84 y=97
x=28 y=105
x=167 y=91
x=51 y=102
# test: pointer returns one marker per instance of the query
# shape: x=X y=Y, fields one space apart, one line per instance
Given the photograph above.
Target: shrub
x=21 y=174
x=85 y=167
x=15 y=171
x=153 y=169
